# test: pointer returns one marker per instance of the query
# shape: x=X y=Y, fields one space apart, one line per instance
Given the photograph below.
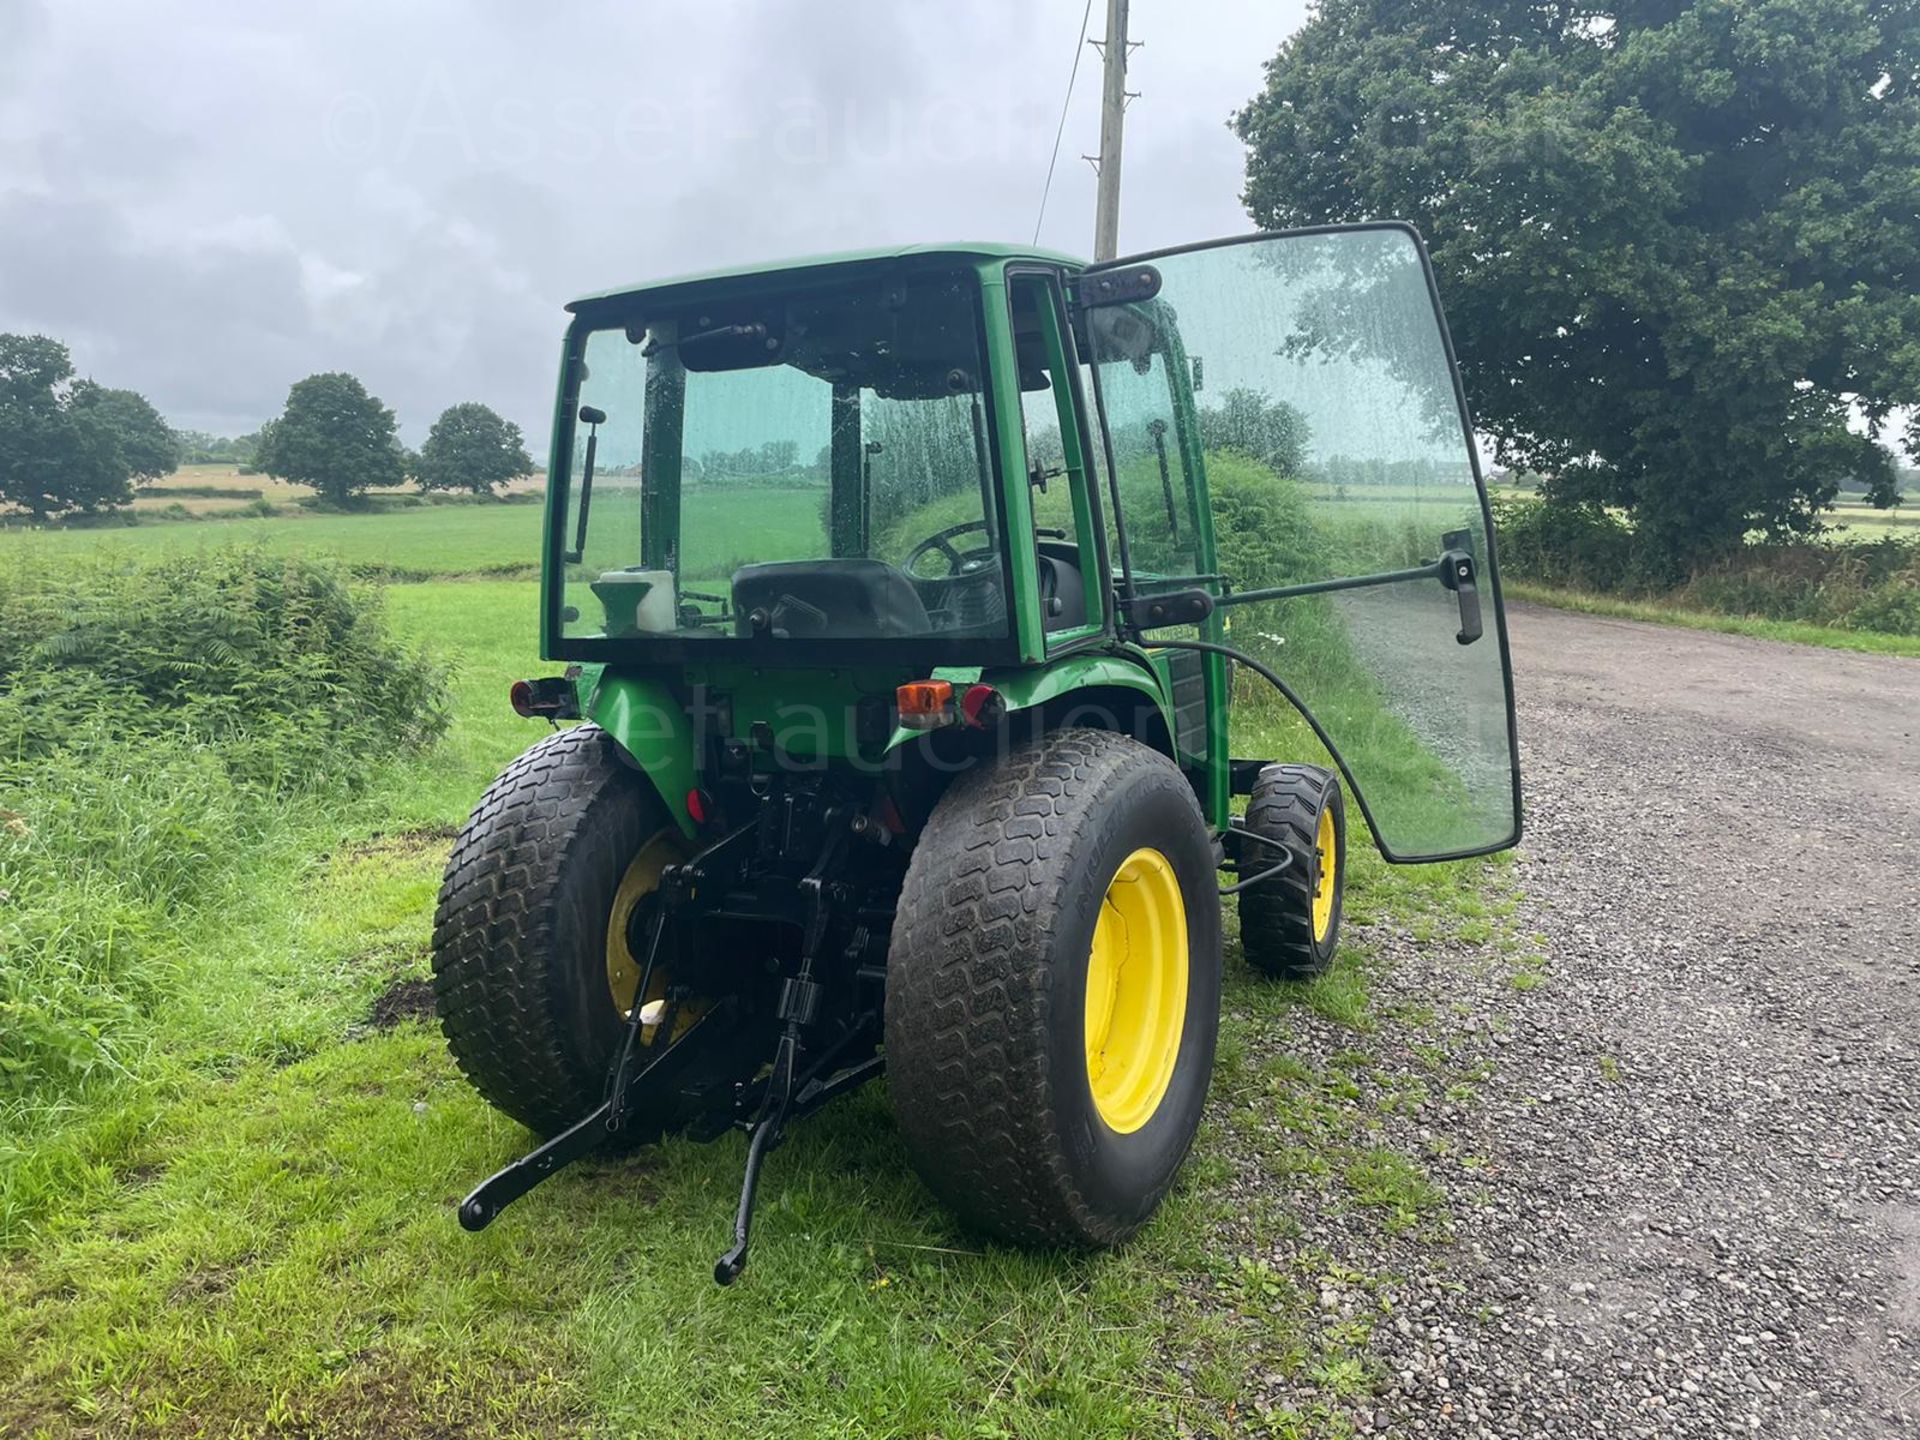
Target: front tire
x=1290 y=925
x=529 y=938
x=1053 y=990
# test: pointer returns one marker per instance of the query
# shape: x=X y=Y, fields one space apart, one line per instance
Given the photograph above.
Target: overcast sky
x=209 y=201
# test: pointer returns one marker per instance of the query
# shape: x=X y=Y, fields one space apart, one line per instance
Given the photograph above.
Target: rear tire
x=1047 y=1070
x=1283 y=932
x=520 y=938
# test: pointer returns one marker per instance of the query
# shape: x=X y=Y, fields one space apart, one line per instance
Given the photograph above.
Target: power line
x=1054 y=159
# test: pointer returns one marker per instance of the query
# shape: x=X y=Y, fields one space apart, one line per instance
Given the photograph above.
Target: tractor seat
x=1063 y=594
x=828 y=600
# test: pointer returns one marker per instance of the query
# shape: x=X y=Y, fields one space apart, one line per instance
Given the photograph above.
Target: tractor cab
x=988 y=460
x=948 y=620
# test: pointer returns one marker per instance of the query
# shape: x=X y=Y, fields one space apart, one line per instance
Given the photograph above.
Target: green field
x=1859 y=521
x=436 y=540
x=250 y=1230
x=433 y=540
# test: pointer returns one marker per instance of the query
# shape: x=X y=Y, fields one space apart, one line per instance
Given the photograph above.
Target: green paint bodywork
x=644 y=707
x=973 y=252
x=1003 y=378
x=645 y=714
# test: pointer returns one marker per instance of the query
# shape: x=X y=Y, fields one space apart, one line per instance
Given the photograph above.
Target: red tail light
x=549 y=698
x=982 y=706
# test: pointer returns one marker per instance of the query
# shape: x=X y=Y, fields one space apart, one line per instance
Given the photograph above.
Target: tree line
x=70 y=444
x=340 y=441
x=1676 y=240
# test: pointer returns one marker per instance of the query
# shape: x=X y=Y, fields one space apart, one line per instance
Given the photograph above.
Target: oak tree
x=1677 y=241
x=471 y=448
x=70 y=445
x=334 y=438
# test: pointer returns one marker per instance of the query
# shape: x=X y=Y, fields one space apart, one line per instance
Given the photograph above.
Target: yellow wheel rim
x=623 y=966
x=1326 y=871
x=1136 y=990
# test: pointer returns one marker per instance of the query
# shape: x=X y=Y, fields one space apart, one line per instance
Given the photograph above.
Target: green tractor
x=916 y=603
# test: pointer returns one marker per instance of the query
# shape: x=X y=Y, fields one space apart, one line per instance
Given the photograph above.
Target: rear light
x=925 y=704
x=982 y=706
x=699 y=806
x=550 y=698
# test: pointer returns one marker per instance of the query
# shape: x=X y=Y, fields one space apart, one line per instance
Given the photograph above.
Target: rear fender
x=651 y=727
x=1107 y=692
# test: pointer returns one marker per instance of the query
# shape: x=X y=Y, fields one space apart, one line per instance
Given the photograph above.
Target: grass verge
x=254 y=1236
x=1866 y=642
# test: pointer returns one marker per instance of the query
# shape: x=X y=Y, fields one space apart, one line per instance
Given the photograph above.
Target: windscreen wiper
x=593 y=419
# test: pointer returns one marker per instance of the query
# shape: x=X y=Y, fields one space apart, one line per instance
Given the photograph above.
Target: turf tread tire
x=969 y=996
x=519 y=932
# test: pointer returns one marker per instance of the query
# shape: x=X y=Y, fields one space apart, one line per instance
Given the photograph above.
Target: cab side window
x=1059 y=469
x=1152 y=482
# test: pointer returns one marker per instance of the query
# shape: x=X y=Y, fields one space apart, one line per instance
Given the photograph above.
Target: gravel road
x=1701 y=1211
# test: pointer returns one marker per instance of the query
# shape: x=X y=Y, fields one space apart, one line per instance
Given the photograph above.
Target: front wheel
x=1053 y=990
x=1290 y=925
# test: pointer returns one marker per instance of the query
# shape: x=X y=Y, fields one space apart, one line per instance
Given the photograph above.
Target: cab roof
x=970 y=252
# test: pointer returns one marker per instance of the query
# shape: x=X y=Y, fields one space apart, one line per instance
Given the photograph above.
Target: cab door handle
x=1457 y=573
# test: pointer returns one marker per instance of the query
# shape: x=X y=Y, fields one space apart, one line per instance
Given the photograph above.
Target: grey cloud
x=23 y=25
x=208 y=208
x=202 y=326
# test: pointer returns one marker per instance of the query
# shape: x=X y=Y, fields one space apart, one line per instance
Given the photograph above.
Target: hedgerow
x=163 y=725
x=1847 y=585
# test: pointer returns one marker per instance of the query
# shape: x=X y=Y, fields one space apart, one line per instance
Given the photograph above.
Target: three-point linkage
x=642 y=1078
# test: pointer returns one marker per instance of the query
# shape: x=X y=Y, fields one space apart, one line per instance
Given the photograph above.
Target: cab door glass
x=1307 y=380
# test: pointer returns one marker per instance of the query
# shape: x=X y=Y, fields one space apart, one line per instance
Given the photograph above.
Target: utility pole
x=1113 y=110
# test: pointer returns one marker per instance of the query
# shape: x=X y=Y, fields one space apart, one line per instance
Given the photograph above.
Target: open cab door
x=1287 y=430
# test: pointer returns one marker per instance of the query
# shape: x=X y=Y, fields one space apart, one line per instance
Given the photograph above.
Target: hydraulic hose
x=1210 y=647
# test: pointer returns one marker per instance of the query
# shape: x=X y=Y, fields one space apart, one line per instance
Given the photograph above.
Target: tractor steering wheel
x=959 y=562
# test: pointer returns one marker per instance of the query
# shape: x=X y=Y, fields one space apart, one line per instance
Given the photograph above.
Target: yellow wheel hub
x=1136 y=990
x=623 y=966
x=1326 y=872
